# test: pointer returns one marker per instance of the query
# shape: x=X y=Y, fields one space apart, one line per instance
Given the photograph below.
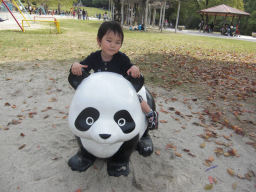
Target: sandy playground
x=36 y=142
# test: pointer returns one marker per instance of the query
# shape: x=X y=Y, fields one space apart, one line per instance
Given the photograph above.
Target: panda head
x=105 y=112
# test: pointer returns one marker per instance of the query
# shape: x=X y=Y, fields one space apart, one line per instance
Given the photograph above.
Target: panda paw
x=79 y=163
x=145 y=146
x=117 y=169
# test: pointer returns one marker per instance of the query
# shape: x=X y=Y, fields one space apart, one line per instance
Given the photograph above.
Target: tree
x=248 y=25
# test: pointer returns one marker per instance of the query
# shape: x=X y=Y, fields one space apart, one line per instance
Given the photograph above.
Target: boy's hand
x=76 y=68
x=134 y=71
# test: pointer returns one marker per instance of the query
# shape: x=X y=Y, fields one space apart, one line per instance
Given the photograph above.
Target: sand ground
x=36 y=142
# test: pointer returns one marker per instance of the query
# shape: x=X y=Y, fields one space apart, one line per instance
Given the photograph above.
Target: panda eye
x=121 y=122
x=124 y=121
x=89 y=120
x=86 y=118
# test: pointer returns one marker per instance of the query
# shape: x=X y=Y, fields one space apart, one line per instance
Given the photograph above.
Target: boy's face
x=110 y=43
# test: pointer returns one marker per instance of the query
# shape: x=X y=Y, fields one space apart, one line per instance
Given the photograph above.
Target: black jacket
x=120 y=63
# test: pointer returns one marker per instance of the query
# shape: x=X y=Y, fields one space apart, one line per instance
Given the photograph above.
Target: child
x=110 y=39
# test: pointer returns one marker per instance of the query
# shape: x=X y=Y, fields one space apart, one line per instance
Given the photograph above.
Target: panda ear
x=75 y=80
x=136 y=82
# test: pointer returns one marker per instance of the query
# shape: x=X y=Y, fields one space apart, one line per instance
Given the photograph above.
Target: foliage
x=188 y=14
x=248 y=24
x=96 y=3
x=190 y=18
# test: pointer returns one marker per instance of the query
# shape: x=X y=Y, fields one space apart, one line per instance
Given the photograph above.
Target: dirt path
x=36 y=142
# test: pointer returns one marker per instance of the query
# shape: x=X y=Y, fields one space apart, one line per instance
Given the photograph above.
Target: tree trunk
x=177 y=18
x=149 y=14
x=122 y=12
x=132 y=13
x=59 y=8
x=154 y=17
x=160 y=17
x=146 y=16
x=163 y=16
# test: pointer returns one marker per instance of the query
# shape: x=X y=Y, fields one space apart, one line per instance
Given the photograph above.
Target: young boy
x=110 y=39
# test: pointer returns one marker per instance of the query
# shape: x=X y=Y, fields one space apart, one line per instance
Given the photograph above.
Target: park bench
x=253 y=34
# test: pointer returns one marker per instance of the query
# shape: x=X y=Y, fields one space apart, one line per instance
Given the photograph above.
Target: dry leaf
x=226 y=137
x=14 y=122
x=7 y=104
x=53 y=99
x=210 y=178
x=163 y=121
x=171 y=108
x=233 y=152
x=46 y=109
x=208 y=186
x=192 y=155
x=46 y=116
x=174 y=99
x=211 y=159
x=31 y=114
x=226 y=154
x=170 y=146
x=22 y=146
x=157 y=152
x=240 y=176
x=202 y=145
x=248 y=176
x=230 y=171
x=178 y=154
x=163 y=110
x=234 y=186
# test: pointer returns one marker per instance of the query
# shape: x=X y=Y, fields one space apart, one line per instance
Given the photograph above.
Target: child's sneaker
x=152 y=120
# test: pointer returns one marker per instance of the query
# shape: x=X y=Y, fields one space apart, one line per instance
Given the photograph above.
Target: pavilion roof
x=223 y=10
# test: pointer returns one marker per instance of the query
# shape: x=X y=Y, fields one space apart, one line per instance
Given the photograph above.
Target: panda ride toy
x=106 y=117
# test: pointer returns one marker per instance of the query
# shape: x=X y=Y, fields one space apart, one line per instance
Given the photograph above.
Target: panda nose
x=104 y=136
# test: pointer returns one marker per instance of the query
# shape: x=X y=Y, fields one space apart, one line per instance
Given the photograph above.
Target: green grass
x=158 y=54
x=78 y=38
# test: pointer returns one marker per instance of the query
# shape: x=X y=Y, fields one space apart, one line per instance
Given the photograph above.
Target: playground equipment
x=9 y=7
x=14 y=12
x=16 y=5
x=41 y=8
x=23 y=8
x=55 y=21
